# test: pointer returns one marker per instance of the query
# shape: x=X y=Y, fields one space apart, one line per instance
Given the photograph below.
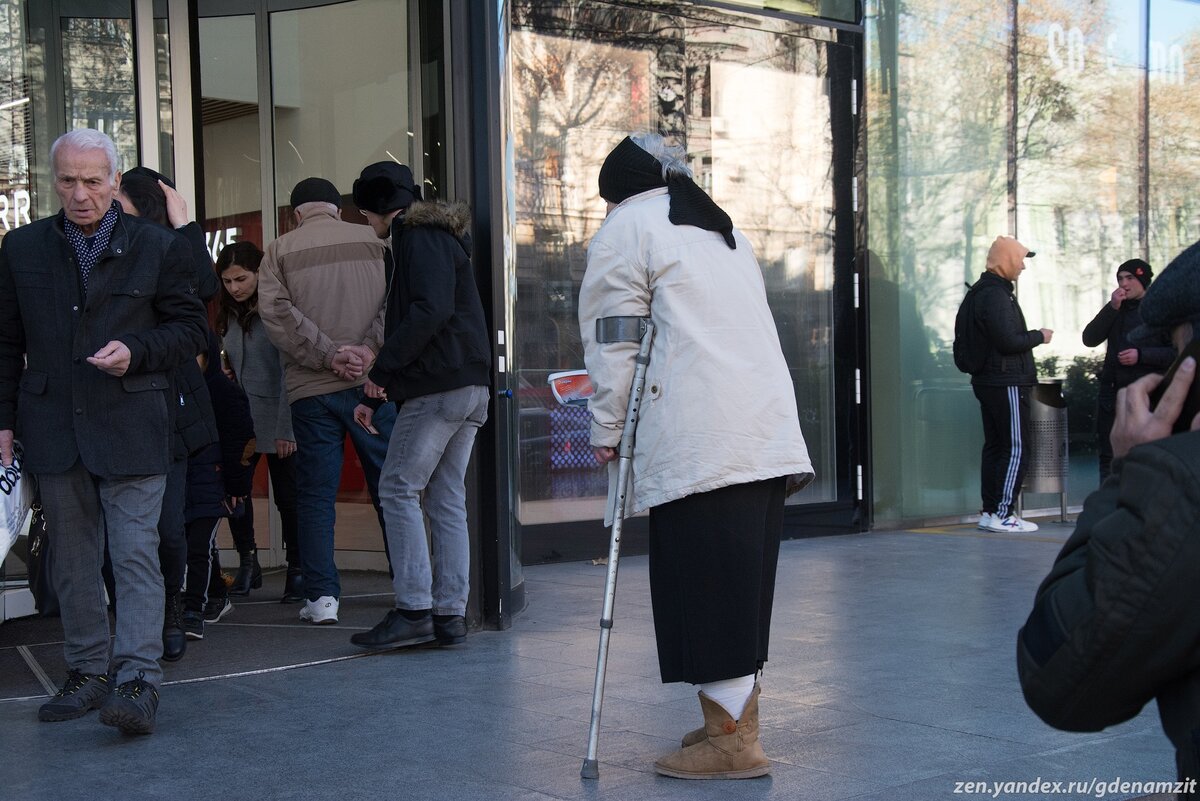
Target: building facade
x=870 y=151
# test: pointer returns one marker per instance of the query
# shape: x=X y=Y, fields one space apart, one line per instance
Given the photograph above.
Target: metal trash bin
x=1048 y=465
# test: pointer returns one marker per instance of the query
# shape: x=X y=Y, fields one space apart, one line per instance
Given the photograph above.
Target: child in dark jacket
x=218 y=481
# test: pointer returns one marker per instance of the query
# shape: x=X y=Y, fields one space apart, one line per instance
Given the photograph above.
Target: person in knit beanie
x=1124 y=361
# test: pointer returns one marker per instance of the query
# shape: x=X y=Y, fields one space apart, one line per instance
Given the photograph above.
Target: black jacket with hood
x=1114 y=624
x=436 y=338
x=1010 y=344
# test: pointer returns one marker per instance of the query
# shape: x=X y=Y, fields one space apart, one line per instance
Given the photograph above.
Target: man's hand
x=1128 y=357
x=177 y=213
x=365 y=354
x=284 y=448
x=605 y=455
x=363 y=415
x=6 y=447
x=1118 y=295
x=1135 y=424
x=113 y=358
x=1046 y=335
x=373 y=390
x=347 y=364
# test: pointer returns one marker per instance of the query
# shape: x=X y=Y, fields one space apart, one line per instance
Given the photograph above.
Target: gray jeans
x=429 y=451
x=79 y=507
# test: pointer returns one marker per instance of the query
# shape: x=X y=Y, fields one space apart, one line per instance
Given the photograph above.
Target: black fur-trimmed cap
x=385 y=186
x=315 y=190
x=1173 y=298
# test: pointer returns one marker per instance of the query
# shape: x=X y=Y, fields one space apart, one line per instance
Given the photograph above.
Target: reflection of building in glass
x=98 y=66
x=750 y=101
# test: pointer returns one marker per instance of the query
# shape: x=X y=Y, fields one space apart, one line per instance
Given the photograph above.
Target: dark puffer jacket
x=1114 y=624
x=1114 y=326
x=1010 y=344
x=221 y=469
x=436 y=338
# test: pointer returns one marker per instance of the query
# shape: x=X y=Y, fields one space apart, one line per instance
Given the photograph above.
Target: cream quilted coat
x=720 y=406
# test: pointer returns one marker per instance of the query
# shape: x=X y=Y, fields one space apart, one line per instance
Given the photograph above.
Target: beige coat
x=720 y=407
x=321 y=286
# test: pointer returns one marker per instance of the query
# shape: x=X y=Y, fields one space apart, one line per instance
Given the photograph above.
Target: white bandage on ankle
x=732 y=694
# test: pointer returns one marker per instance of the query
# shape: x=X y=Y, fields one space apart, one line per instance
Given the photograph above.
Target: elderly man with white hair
x=96 y=309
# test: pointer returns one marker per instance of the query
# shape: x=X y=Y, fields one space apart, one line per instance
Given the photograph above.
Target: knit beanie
x=1173 y=298
x=1005 y=255
x=315 y=190
x=1140 y=270
x=385 y=186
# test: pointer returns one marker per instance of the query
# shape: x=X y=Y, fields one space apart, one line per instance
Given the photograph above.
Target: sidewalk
x=892 y=677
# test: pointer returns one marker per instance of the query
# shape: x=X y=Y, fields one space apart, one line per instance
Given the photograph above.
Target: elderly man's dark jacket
x=142 y=292
x=1115 y=623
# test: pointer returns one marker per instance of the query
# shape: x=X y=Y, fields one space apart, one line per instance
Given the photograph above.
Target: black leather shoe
x=80 y=694
x=249 y=575
x=449 y=629
x=293 y=586
x=395 y=630
x=174 y=637
x=131 y=707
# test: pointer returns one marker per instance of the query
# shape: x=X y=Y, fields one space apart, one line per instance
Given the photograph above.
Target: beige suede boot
x=729 y=749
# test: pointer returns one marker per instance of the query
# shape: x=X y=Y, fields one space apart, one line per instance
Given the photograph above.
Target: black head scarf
x=629 y=170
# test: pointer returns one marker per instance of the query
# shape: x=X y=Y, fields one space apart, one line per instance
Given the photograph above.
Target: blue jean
x=429 y=451
x=320 y=424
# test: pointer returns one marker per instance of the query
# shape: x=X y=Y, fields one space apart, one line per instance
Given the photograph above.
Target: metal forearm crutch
x=617 y=329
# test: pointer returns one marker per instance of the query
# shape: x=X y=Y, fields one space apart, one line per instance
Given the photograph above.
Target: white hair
x=672 y=157
x=87 y=139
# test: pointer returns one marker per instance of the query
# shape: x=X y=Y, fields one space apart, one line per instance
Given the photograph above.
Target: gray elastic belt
x=620 y=329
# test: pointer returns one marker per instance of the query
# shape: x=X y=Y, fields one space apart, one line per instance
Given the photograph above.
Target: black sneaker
x=216 y=609
x=449 y=629
x=80 y=694
x=193 y=625
x=131 y=707
x=395 y=630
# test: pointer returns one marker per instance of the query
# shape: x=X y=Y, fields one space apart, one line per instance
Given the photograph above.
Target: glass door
x=764 y=107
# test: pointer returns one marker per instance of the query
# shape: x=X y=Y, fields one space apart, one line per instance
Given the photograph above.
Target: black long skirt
x=712 y=580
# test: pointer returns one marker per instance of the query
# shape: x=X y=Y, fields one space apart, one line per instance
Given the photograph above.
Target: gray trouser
x=79 y=506
x=429 y=451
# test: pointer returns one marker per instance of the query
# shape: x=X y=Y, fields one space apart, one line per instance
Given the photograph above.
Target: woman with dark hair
x=253 y=362
x=150 y=195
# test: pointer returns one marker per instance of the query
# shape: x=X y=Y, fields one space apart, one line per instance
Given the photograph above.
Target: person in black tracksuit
x=1003 y=385
x=1124 y=362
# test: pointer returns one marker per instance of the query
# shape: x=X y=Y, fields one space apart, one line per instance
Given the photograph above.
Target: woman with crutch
x=718 y=442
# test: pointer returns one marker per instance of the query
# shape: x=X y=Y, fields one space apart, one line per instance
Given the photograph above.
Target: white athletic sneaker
x=1010 y=524
x=986 y=520
x=321 y=611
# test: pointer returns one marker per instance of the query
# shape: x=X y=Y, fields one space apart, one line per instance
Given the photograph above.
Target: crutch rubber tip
x=591 y=769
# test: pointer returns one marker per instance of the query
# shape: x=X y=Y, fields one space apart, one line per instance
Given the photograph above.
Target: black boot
x=249 y=575
x=174 y=639
x=293 y=586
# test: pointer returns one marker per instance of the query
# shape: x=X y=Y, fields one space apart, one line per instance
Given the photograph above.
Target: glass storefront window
x=162 y=77
x=842 y=10
x=1174 y=128
x=341 y=87
x=230 y=125
x=582 y=78
x=98 y=87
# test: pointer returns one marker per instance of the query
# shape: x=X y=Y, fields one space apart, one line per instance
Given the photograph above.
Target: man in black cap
x=320 y=296
x=1114 y=624
x=436 y=367
x=1124 y=362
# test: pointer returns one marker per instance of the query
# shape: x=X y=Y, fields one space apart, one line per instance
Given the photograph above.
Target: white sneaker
x=986 y=520
x=1012 y=523
x=321 y=611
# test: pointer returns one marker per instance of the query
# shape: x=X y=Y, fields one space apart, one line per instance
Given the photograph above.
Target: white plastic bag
x=16 y=496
